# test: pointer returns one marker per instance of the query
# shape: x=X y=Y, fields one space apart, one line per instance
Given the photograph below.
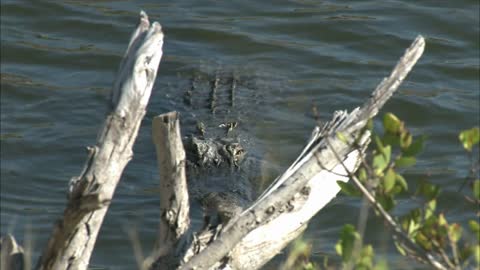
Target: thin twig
x=396 y=228
x=132 y=233
x=443 y=254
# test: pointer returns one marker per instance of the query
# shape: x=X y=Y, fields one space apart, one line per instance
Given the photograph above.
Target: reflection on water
x=58 y=60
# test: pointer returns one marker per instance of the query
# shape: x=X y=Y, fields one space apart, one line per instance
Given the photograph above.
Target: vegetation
x=425 y=231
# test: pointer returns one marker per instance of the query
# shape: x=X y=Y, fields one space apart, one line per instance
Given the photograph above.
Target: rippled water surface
x=58 y=61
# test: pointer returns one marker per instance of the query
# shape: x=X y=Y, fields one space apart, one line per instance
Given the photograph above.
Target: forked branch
x=74 y=235
x=318 y=157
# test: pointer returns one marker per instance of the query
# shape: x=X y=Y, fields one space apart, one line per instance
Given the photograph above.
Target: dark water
x=58 y=61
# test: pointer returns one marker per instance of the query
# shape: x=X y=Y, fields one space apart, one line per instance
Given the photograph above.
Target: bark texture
x=12 y=256
x=74 y=235
x=174 y=204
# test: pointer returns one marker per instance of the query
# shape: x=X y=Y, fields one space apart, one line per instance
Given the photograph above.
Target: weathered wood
x=269 y=239
x=260 y=245
x=73 y=238
x=12 y=256
x=174 y=204
x=317 y=159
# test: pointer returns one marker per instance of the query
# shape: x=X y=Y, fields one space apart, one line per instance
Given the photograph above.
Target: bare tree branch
x=317 y=157
x=12 y=255
x=73 y=238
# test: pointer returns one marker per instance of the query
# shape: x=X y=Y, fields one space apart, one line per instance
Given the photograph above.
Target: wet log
x=305 y=187
x=74 y=235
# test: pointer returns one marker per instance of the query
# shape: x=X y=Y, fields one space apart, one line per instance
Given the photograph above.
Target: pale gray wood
x=318 y=156
x=174 y=204
x=74 y=235
x=12 y=256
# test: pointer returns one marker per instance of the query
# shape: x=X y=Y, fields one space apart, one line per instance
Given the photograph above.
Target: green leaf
x=416 y=214
x=474 y=227
x=405 y=162
x=430 y=208
x=396 y=190
x=401 y=181
x=367 y=251
x=392 y=124
x=309 y=266
x=466 y=252
x=469 y=138
x=429 y=191
x=400 y=249
x=405 y=140
x=455 y=232
x=476 y=252
x=389 y=180
x=378 y=143
x=362 y=175
x=381 y=265
x=386 y=201
x=412 y=227
x=387 y=153
x=390 y=139
x=338 y=248
x=379 y=163
x=348 y=188
x=325 y=260
x=442 y=220
x=476 y=189
x=415 y=148
x=423 y=241
x=365 y=259
x=345 y=245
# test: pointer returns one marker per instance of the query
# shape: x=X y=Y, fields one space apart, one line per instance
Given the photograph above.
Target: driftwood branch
x=12 y=255
x=317 y=158
x=174 y=204
x=267 y=240
x=73 y=238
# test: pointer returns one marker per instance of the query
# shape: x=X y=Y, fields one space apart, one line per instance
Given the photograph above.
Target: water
x=58 y=61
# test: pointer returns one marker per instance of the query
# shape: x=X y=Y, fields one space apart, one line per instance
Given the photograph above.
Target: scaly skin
x=219 y=169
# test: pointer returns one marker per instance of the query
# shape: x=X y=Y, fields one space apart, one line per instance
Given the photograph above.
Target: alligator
x=221 y=166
